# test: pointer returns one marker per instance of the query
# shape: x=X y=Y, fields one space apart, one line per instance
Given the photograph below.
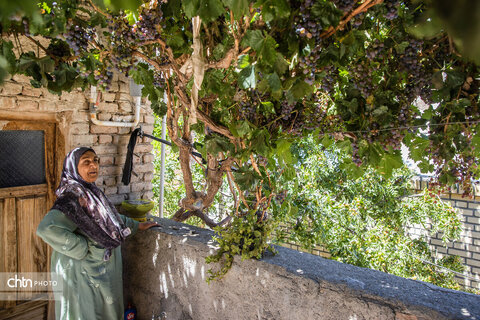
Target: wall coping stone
x=371 y=287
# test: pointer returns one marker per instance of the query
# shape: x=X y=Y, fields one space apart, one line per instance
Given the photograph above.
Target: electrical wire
x=406 y=127
x=445 y=268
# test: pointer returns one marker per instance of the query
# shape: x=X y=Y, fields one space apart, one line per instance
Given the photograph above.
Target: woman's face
x=88 y=166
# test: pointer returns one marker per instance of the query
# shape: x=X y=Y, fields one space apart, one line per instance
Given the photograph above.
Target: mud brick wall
x=19 y=99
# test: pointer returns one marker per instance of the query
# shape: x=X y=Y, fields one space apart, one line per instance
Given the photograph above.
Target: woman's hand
x=147 y=225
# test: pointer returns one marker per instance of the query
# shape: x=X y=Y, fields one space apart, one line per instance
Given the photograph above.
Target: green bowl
x=137 y=208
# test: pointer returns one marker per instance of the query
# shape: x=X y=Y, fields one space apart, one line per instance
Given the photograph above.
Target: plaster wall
x=165 y=272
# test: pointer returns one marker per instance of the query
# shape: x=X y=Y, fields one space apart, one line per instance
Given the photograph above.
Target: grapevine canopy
x=251 y=77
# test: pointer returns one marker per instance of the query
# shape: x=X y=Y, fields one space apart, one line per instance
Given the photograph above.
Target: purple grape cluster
x=262 y=161
x=158 y=80
x=121 y=38
x=26 y=27
x=248 y=110
x=410 y=63
x=122 y=58
x=305 y=23
x=394 y=140
x=330 y=78
x=361 y=74
x=78 y=37
x=392 y=9
x=149 y=21
x=375 y=50
x=308 y=28
x=357 y=21
x=310 y=115
x=280 y=196
x=345 y=5
x=286 y=109
x=355 y=156
x=309 y=66
x=102 y=74
x=104 y=77
x=120 y=30
x=59 y=48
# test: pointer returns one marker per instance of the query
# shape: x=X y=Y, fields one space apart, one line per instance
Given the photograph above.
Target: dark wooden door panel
x=21 y=210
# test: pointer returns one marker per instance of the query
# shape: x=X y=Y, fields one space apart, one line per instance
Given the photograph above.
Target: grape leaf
x=283 y=151
x=373 y=152
x=243 y=61
x=417 y=148
x=246 y=179
x=215 y=144
x=267 y=53
x=264 y=45
x=190 y=7
x=239 y=129
x=390 y=162
x=428 y=25
x=259 y=142
x=274 y=9
x=238 y=7
x=274 y=81
x=254 y=39
x=7 y=53
x=210 y=10
x=280 y=65
x=122 y=4
x=301 y=89
x=267 y=108
x=247 y=78
x=327 y=13
x=326 y=141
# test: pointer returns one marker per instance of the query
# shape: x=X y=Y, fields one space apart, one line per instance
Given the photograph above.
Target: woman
x=85 y=231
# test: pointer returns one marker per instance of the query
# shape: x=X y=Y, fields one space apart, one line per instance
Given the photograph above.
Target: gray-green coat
x=92 y=288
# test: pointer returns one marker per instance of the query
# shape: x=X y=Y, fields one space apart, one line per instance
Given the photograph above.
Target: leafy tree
x=241 y=80
x=366 y=221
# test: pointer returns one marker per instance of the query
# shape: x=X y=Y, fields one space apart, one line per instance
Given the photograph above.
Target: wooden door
x=21 y=210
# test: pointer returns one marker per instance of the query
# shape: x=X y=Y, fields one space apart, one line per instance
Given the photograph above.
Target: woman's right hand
x=147 y=225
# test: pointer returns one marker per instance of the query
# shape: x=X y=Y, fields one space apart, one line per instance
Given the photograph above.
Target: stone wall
x=19 y=98
x=165 y=272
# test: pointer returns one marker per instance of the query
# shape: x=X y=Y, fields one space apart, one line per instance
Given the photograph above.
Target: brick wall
x=17 y=96
x=467 y=247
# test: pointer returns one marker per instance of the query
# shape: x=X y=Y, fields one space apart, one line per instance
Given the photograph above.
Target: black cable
x=168 y=143
x=128 y=167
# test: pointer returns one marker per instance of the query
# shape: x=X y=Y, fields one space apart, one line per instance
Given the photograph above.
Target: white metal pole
x=162 y=166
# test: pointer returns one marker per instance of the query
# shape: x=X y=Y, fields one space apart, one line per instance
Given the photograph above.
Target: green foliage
x=12 y=8
x=361 y=80
x=246 y=236
x=460 y=20
x=276 y=71
x=366 y=221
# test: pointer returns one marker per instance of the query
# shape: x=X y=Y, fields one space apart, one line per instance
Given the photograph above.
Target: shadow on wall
x=165 y=272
